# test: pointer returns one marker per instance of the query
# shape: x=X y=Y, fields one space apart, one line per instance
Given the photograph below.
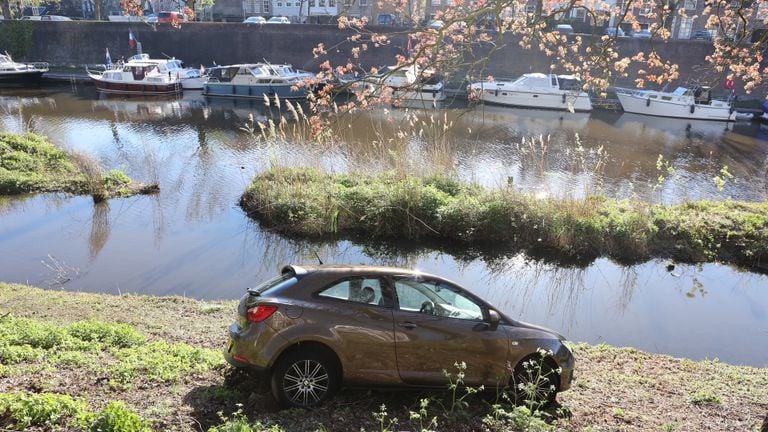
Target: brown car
x=313 y=328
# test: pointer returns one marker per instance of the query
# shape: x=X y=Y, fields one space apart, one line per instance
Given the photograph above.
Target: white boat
x=693 y=102
x=409 y=85
x=13 y=73
x=256 y=80
x=140 y=75
x=535 y=90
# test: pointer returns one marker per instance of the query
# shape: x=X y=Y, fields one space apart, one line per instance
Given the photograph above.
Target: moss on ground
x=30 y=163
x=64 y=353
x=309 y=202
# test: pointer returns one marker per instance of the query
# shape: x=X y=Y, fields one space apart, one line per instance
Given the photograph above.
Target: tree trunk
x=6 y=5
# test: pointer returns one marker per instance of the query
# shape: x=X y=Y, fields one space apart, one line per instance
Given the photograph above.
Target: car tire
x=535 y=380
x=304 y=379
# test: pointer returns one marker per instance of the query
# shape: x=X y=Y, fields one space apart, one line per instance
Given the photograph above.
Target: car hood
x=539 y=328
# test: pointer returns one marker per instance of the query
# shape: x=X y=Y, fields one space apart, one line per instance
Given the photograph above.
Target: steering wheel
x=427 y=308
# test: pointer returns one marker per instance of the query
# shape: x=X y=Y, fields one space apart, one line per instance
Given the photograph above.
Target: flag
x=131 y=39
x=408 y=48
x=109 y=59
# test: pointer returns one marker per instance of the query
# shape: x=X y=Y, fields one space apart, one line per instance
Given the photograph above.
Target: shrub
x=45 y=410
x=117 y=417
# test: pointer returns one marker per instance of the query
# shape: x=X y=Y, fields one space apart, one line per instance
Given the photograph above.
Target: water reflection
x=192 y=238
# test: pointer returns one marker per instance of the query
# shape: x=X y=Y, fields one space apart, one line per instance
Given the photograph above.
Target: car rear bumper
x=234 y=354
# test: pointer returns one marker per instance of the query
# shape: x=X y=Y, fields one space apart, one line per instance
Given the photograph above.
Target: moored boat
x=693 y=102
x=410 y=86
x=20 y=74
x=256 y=80
x=140 y=75
x=535 y=90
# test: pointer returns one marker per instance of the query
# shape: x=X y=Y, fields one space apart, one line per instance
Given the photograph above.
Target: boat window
x=569 y=83
x=652 y=96
x=265 y=81
x=224 y=74
x=666 y=98
x=553 y=80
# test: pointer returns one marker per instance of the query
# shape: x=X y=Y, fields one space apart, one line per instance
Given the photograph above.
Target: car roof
x=353 y=269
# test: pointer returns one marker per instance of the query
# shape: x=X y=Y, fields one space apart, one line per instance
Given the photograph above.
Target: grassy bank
x=30 y=163
x=78 y=361
x=311 y=203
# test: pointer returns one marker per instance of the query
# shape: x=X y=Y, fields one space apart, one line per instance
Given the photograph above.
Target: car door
x=358 y=311
x=438 y=325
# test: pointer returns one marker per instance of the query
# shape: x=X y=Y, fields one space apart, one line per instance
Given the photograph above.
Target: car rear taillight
x=260 y=313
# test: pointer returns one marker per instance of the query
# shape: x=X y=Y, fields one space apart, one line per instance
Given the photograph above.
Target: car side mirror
x=493 y=319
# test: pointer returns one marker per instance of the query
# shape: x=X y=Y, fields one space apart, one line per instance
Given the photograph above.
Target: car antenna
x=318 y=257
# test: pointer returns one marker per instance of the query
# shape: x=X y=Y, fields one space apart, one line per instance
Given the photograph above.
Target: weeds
x=127 y=354
x=311 y=203
x=29 y=163
x=56 y=411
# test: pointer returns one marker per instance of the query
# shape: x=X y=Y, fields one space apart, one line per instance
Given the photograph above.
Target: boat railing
x=625 y=91
x=43 y=66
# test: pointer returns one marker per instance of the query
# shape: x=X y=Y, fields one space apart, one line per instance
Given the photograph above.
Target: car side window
x=359 y=290
x=434 y=298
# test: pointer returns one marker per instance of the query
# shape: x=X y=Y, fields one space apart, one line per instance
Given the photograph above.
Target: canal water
x=193 y=240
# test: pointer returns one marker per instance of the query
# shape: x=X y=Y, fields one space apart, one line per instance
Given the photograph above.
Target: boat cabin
x=539 y=80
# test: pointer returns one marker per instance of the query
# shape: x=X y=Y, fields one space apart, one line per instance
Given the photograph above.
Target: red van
x=170 y=17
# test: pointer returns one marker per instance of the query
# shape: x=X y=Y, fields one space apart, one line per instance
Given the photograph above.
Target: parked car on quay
x=642 y=34
x=255 y=20
x=314 y=328
x=54 y=18
x=386 y=19
x=611 y=31
x=435 y=24
x=565 y=29
x=278 y=20
x=170 y=17
x=701 y=35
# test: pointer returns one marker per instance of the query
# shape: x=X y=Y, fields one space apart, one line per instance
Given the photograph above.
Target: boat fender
x=496 y=93
x=693 y=108
x=563 y=97
x=648 y=102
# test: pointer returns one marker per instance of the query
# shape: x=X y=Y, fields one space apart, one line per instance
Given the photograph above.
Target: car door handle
x=407 y=324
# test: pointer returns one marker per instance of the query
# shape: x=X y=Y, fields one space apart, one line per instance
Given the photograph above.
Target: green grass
x=308 y=202
x=30 y=163
x=117 y=350
x=51 y=411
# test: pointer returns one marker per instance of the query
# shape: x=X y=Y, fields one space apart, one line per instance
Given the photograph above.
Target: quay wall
x=78 y=43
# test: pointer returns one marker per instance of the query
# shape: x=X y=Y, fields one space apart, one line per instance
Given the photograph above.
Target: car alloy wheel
x=303 y=380
x=535 y=381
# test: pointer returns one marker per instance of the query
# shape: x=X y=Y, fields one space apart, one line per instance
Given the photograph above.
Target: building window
x=331 y=3
x=363 y=3
x=530 y=9
x=266 y=6
x=322 y=3
x=646 y=8
x=287 y=4
x=578 y=13
x=347 y=3
x=279 y=4
x=312 y=3
x=762 y=10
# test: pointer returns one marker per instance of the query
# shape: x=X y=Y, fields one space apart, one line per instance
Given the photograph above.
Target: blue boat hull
x=253 y=91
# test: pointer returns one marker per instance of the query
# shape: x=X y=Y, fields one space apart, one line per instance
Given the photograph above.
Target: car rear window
x=275 y=284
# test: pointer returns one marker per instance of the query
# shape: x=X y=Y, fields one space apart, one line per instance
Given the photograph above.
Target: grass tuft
x=308 y=202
